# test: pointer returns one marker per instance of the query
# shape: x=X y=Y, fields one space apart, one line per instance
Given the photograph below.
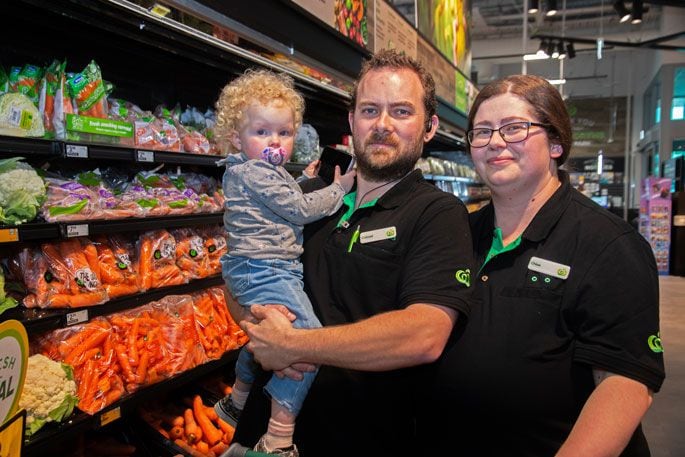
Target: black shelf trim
x=44 y=231
x=37 y=321
x=28 y=147
x=41 y=443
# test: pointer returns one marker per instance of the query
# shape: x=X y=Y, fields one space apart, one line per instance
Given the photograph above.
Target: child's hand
x=312 y=170
x=346 y=180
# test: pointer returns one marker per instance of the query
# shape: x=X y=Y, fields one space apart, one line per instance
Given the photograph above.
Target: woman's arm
x=610 y=416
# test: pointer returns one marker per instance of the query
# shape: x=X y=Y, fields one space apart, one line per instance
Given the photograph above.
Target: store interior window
x=678 y=103
x=651 y=113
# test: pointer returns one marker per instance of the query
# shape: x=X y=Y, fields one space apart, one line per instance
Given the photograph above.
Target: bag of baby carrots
x=88 y=91
x=214 y=238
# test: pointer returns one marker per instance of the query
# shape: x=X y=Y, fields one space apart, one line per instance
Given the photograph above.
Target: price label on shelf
x=110 y=416
x=77 y=317
x=145 y=156
x=73 y=230
x=679 y=221
x=9 y=235
x=77 y=151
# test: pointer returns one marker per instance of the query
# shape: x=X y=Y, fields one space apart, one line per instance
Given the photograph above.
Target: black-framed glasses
x=513 y=132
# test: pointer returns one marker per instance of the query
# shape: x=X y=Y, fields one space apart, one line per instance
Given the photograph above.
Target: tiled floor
x=664 y=424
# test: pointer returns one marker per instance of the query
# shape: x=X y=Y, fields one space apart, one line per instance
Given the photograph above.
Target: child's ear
x=234 y=138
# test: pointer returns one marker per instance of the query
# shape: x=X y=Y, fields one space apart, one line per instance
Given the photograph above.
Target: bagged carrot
x=88 y=91
x=117 y=268
x=27 y=81
x=214 y=237
x=63 y=103
x=46 y=104
x=157 y=261
x=182 y=350
x=41 y=282
x=191 y=255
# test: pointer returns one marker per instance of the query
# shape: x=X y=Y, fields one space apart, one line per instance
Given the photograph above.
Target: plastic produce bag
x=215 y=327
x=19 y=116
x=117 y=265
x=69 y=200
x=157 y=261
x=22 y=191
x=191 y=255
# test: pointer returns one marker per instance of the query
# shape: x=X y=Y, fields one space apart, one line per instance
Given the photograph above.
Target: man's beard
x=402 y=164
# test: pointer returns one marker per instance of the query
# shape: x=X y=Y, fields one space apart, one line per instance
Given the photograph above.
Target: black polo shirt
x=521 y=370
x=349 y=412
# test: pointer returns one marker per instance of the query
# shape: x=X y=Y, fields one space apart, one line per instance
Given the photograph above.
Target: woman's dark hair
x=545 y=101
x=390 y=58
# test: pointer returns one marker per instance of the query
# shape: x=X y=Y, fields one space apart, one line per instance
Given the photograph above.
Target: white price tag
x=679 y=221
x=77 y=317
x=145 y=156
x=77 y=151
x=76 y=230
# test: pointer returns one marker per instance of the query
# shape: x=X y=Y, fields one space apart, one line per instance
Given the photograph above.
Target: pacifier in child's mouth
x=274 y=156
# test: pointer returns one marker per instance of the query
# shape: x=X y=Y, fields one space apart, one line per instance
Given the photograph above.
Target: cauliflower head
x=22 y=192
x=49 y=392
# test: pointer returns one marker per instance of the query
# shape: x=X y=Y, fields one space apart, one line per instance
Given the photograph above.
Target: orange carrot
x=191 y=429
x=212 y=434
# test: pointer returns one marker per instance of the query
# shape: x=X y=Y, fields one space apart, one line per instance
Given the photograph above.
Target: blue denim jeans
x=258 y=282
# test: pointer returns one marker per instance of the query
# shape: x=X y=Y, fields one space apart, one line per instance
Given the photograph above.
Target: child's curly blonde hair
x=260 y=86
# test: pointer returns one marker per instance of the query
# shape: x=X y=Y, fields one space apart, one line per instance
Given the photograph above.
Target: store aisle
x=665 y=421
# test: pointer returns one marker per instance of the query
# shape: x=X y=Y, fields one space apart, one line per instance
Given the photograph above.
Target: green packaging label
x=99 y=126
x=26 y=120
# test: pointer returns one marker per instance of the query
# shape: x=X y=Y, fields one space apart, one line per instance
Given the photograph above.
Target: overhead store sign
x=442 y=71
x=391 y=31
x=349 y=17
x=446 y=24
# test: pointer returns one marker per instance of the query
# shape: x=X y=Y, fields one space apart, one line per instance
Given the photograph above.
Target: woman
x=561 y=352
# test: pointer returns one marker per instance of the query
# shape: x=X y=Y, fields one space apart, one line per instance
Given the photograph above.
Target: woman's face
x=509 y=167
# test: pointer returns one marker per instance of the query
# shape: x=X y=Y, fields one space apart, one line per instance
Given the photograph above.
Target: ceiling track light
x=542 y=50
x=622 y=11
x=551 y=8
x=637 y=11
x=534 y=6
x=570 y=50
x=561 y=51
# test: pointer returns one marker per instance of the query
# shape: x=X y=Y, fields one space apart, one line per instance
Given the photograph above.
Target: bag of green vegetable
x=19 y=116
x=49 y=392
x=22 y=192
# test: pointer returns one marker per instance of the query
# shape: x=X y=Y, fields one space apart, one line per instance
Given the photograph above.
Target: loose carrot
x=191 y=429
x=188 y=448
x=202 y=446
x=219 y=448
x=176 y=432
x=212 y=434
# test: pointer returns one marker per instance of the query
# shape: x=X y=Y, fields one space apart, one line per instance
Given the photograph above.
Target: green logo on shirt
x=464 y=277
x=654 y=342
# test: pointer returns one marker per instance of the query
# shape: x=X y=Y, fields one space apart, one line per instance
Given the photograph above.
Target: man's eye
x=402 y=112
x=368 y=111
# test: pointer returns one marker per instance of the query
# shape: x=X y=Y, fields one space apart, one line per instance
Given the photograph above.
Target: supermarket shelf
x=70 y=150
x=38 y=231
x=42 y=442
x=38 y=320
x=27 y=147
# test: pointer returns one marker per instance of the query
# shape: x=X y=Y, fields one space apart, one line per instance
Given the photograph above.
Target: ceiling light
x=551 y=7
x=556 y=82
x=534 y=6
x=637 y=12
x=555 y=51
x=570 y=50
x=550 y=48
x=540 y=56
x=542 y=50
x=622 y=11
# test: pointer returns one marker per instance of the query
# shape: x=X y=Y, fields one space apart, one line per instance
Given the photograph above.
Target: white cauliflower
x=49 y=392
x=22 y=192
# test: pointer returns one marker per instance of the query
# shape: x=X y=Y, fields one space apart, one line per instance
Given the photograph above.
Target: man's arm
x=396 y=339
x=609 y=417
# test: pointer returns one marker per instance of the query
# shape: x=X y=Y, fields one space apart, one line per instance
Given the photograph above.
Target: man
x=388 y=276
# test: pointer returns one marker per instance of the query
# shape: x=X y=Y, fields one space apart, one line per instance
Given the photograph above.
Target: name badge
x=388 y=233
x=549 y=268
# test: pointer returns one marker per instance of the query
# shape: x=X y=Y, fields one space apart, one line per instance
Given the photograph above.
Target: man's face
x=388 y=124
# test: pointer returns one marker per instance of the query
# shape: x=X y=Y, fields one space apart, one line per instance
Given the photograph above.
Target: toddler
x=258 y=115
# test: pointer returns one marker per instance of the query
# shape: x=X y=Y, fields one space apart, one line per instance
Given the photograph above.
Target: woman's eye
x=481 y=133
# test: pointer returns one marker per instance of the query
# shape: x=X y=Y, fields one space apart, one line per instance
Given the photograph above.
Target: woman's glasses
x=514 y=132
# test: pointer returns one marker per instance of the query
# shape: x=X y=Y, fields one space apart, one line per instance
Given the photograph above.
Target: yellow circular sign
x=14 y=347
